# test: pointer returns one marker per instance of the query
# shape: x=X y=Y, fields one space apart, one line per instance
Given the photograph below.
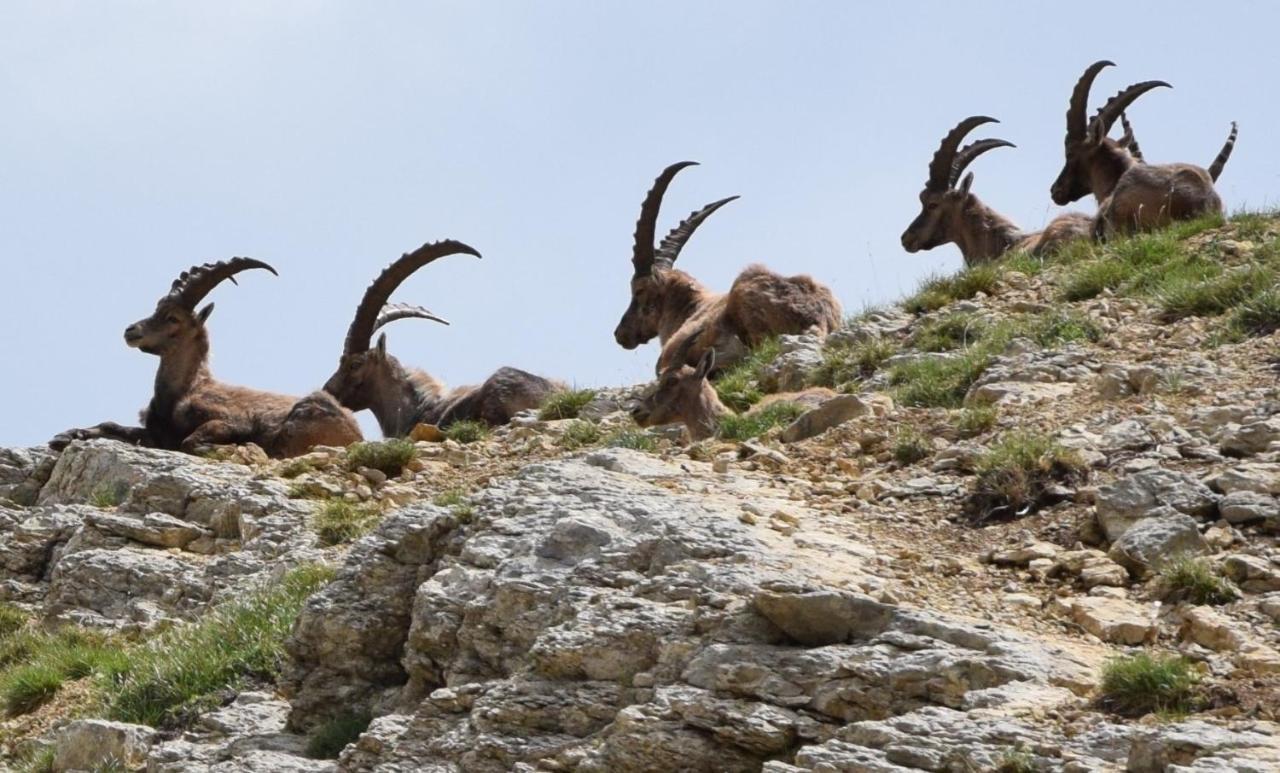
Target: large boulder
x=1149 y=493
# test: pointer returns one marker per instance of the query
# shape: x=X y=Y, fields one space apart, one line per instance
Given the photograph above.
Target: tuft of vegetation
x=12 y=619
x=1016 y=759
x=295 y=467
x=939 y=382
x=844 y=366
x=953 y=331
x=1259 y=316
x=1139 y=684
x=1062 y=327
x=108 y=495
x=450 y=498
x=636 y=440
x=1254 y=226
x=1014 y=476
x=1188 y=578
x=339 y=521
x=1208 y=292
x=975 y=420
x=910 y=447
x=739 y=384
x=40 y=761
x=188 y=669
x=329 y=739
x=38 y=663
x=565 y=404
x=580 y=433
x=388 y=456
x=467 y=431
x=938 y=291
x=755 y=423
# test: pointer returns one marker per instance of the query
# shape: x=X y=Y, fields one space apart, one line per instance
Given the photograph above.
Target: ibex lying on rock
x=191 y=409
x=684 y=394
x=1131 y=195
x=691 y=320
x=952 y=214
x=400 y=397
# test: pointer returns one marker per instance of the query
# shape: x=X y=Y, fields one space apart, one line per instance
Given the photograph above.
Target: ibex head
x=641 y=322
x=682 y=394
x=175 y=323
x=942 y=202
x=1087 y=141
x=363 y=365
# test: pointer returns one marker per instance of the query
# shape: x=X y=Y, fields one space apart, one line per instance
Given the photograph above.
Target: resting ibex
x=400 y=397
x=1131 y=195
x=684 y=394
x=191 y=409
x=691 y=320
x=952 y=214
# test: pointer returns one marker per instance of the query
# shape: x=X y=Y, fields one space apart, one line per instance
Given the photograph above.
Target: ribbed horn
x=1215 y=168
x=375 y=298
x=195 y=283
x=940 y=167
x=1109 y=113
x=1129 y=140
x=971 y=151
x=394 y=311
x=677 y=237
x=1079 y=106
x=646 y=226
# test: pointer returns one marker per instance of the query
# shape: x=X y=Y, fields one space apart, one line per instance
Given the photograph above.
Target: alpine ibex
x=1131 y=195
x=691 y=320
x=952 y=214
x=684 y=395
x=400 y=397
x=191 y=409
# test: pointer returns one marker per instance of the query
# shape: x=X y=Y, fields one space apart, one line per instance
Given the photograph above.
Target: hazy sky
x=327 y=138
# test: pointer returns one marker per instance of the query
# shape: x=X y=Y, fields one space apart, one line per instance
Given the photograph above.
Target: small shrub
x=467 y=431
x=739 y=384
x=1134 y=685
x=844 y=365
x=579 y=433
x=339 y=521
x=565 y=404
x=953 y=331
x=1016 y=760
x=1187 y=578
x=1014 y=475
x=388 y=456
x=107 y=495
x=975 y=420
x=329 y=739
x=12 y=619
x=633 y=439
x=755 y=423
x=910 y=447
x=1258 y=316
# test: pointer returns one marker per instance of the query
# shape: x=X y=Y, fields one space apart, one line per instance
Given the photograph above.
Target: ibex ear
x=706 y=364
x=965 y=183
x=380 y=350
x=1095 y=134
x=204 y=313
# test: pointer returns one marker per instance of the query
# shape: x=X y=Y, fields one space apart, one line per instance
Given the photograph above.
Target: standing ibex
x=400 y=397
x=691 y=320
x=191 y=409
x=1131 y=195
x=683 y=394
x=952 y=214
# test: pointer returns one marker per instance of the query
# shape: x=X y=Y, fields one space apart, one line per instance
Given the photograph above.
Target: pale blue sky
x=327 y=138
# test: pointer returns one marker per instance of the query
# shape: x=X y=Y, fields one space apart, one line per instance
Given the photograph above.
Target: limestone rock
x=1114 y=620
x=1150 y=542
x=23 y=471
x=831 y=413
x=88 y=744
x=1151 y=492
x=1253 y=574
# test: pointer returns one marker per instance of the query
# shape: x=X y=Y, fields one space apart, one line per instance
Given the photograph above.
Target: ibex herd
x=699 y=330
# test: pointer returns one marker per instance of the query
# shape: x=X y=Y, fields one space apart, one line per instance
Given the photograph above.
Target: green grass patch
x=975 y=420
x=1060 y=327
x=339 y=521
x=939 y=382
x=387 y=456
x=467 y=431
x=12 y=619
x=108 y=495
x=909 y=447
x=1139 y=684
x=755 y=423
x=739 y=384
x=1016 y=760
x=44 y=660
x=938 y=291
x=188 y=669
x=636 y=440
x=843 y=366
x=328 y=740
x=565 y=404
x=952 y=331
x=1259 y=316
x=580 y=433
x=1188 y=578
x=38 y=761
x=451 y=498
x=295 y=467
x=1212 y=292
x=1014 y=475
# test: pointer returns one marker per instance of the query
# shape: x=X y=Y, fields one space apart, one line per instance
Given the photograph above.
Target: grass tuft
x=1259 y=316
x=565 y=404
x=975 y=420
x=843 y=366
x=748 y=425
x=12 y=619
x=636 y=440
x=339 y=521
x=910 y=447
x=953 y=331
x=1016 y=760
x=467 y=431
x=1014 y=475
x=329 y=739
x=739 y=384
x=388 y=456
x=937 y=382
x=108 y=495
x=938 y=291
x=39 y=662
x=1138 y=684
x=580 y=433
x=1188 y=578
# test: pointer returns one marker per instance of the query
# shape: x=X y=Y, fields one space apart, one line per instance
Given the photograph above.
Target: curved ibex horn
x=394 y=311
x=1129 y=140
x=195 y=283
x=677 y=237
x=642 y=254
x=361 y=331
x=1079 y=106
x=1110 y=112
x=971 y=151
x=940 y=167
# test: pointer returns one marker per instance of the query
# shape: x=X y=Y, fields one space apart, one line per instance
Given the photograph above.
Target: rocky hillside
x=1038 y=532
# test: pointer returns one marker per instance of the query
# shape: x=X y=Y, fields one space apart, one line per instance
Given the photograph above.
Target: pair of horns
x=643 y=256
x=374 y=311
x=950 y=160
x=195 y=283
x=1109 y=113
